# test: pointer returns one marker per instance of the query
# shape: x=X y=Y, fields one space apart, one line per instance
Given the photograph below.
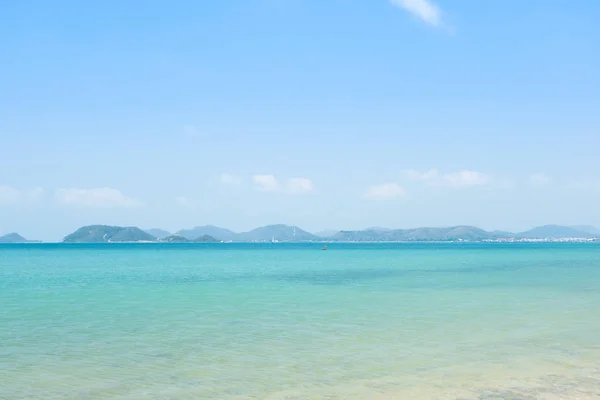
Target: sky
x=322 y=114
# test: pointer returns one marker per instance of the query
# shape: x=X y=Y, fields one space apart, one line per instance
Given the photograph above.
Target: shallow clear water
x=285 y=321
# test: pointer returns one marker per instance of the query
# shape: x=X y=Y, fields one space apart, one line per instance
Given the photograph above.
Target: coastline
x=503 y=241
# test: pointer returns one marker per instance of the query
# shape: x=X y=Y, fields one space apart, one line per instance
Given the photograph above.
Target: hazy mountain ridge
x=326 y=233
x=466 y=233
x=587 y=228
x=158 y=233
x=278 y=232
x=453 y=233
x=207 y=230
x=554 y=232
x=287 y=233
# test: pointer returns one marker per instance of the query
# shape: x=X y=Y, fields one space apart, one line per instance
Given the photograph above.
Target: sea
x=291 y=321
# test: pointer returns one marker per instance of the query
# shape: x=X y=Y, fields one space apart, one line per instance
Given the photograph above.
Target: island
x=15 y=238
x=108 y=234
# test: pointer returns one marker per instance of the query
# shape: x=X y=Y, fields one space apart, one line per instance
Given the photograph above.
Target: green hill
x=104 y=234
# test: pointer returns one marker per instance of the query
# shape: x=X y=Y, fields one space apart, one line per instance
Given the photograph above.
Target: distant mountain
x=326 y=233
x=367 y=236
x=454 y=233
x=282 y=233
x=14 y=238
x=158 y=233
x=378 y=229
x=588 y=228
x=210 y=230
x=503 y=234
x=554 y=232
x=104 y=233
x=287 y=233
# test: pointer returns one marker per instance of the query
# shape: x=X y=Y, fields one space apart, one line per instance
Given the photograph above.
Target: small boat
x=324 y=247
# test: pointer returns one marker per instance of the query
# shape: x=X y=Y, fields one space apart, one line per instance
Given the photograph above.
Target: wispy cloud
x=228 y=179
x=293 y=186
x=462 y=178
x=540 y=179
x=10 y=195
x=95 y=197
x=386 y=191
x=299 y=186
x=465 y=178
x=425 y=10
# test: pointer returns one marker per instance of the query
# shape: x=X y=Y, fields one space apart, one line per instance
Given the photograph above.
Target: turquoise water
x=285 y=321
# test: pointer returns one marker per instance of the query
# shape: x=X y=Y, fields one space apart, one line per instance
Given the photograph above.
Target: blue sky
x=324 y=114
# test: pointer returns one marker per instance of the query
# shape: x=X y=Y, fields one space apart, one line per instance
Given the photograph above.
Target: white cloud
x=266 y=183
x=425 y=10
x=293 y=186
x=462 y=178
x=96 y=197
x=227 y=179
x=540 y=179
x=10 y=195
x=386 y=191
x=465 y=178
